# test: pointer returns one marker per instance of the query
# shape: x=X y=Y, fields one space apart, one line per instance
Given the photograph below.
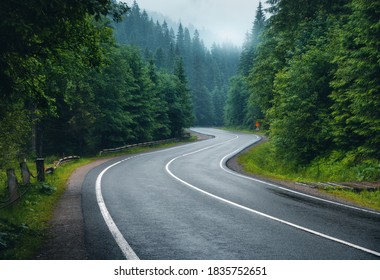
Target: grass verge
x=24 y=224
x=262 y=161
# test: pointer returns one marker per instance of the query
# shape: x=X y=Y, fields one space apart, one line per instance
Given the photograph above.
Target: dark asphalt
x=163 y=218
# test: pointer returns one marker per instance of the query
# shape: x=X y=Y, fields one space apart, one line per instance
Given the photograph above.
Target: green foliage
x=300 y=110
x=207 y=71
x=263 y=160
x=251 y=43
x=338 y=166
x=46 y=47
x=241 y=107
x=314 y=76
x=237 y=98
x=46 y=189
x=357 y=81
x=370 y=199
x=11 y=234
x=74 y=91
x=23 y=224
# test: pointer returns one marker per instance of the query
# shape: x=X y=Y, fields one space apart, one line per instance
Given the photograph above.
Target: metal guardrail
x=119 y=149
x=51 y=170
x=66 y=159
x=350 y=186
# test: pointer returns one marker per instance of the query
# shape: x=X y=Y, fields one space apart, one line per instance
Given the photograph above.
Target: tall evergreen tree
x=356 y=95
x=252 y=41
x=37 y=37
x=208 y=72
x=249 y=112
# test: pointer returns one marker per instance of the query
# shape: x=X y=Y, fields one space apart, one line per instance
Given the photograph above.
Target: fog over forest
x=217 y=21
x=111 y=76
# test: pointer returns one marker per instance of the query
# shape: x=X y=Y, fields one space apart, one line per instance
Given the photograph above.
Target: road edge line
x=124 y=246
x=228 y=170
x=260 y=213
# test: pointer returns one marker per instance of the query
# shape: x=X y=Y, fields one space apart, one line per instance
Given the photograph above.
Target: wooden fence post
x=40 y=165
x=12 y=185
x=25 y=173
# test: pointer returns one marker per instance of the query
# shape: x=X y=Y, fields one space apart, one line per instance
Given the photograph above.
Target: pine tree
x=252 y=41
x=356 y=95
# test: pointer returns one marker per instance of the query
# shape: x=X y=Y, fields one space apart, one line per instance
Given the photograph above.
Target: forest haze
x=208 y=71
x=73 y=80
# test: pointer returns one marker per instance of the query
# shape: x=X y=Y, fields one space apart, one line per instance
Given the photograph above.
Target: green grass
x=259 y=161
x=369 y=199
x=24 y=224
x=337 y=167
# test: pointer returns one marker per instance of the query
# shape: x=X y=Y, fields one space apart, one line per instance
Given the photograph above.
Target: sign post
x=257 y=125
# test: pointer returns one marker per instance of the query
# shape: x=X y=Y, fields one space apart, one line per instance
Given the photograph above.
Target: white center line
x=167 y=167
x=124 y=246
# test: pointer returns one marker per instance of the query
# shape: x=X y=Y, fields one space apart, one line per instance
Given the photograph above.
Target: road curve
x=184 y=203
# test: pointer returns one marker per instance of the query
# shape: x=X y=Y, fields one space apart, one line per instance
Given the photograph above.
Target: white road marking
x=117 y=235
x=225 y=159
x=128 y=251
x=257 y=212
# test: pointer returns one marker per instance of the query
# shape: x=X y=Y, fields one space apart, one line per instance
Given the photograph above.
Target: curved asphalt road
x=183 y=203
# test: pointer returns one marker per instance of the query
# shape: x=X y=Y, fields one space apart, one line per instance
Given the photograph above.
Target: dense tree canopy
x=208 y=71
x=309 y=73
x=241 y=108
x=313 y=78
x=67 y=87
x=39 y=40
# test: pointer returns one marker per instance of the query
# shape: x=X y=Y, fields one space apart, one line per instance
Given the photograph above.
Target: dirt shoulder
x=66 y=229
x=65 y=236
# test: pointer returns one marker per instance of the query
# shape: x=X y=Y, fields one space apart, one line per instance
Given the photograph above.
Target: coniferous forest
x=208 y=71
x=67 y=86
x=310 y=74
x=80 y=76
x=102 y=77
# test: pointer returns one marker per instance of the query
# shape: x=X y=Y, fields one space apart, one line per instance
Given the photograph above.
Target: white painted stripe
x=117 y=235
x=124 y=245
x=260 y=213
x=223 y=166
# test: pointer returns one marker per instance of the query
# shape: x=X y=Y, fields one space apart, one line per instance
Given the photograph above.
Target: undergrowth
x=23 y=224
x=335 y=167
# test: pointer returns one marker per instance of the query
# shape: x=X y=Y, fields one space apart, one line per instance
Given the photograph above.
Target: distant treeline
x=67 y=87
x=311 y=75
x=208 y=71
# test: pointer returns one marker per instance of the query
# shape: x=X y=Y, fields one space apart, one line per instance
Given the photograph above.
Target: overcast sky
x=229 y=19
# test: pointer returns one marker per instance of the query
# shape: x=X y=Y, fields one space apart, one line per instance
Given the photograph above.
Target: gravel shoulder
x=65 y=236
